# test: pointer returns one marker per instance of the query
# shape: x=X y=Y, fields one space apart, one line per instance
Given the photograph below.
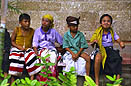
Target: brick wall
x=89 y=12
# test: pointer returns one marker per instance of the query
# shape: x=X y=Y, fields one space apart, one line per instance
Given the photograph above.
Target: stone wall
x=88 y=10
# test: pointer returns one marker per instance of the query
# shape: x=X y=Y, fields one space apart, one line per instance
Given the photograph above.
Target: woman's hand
x=122 y=45
x=21 y=48
x=93 y=43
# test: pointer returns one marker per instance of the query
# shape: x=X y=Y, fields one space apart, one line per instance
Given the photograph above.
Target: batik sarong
x=53 y=59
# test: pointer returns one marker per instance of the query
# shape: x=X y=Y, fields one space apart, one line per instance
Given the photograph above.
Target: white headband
x=74 y=22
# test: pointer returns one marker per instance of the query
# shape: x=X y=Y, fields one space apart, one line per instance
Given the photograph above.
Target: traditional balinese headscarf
x=72 y=20
x=50 y=17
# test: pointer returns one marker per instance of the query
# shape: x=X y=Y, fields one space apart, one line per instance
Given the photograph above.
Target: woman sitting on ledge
x=110 y=58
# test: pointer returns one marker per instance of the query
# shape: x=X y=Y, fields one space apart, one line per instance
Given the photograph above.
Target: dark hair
x=24 y=16
x=70 y=19
x=104 y=16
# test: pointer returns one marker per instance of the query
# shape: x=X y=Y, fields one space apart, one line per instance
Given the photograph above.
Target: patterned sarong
x=79 y=64
x=20 y=58
x=53 y=59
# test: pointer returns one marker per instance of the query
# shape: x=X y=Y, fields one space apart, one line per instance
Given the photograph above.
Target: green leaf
x=68 y=83
x=56 y=84
x=38 y=57
x=27 y=80
x=39 y=64
x=64 y=84
x=72 y=69
x=38 y=84
x=4 y=82
x=73 y=79
x=114 y=77
x=62 y=77
x=90 y=81
x=17 y=81
x=48 y=72
x=85 y=83
x=2 y=75
x=118 y=81
x=44 y=70
x=48 y=55
x=44 y=61
x=110 y=78
x=1 y=71
x=20 y=84
x=33 y=82
x=43 y=83
x=23 y=81
x=12 y=7
x=44 y=75
x=108 y=84
x=50 y=64
x=52 y=78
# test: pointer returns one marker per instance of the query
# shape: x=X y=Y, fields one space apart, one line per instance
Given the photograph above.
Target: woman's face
x=45 y=23
x=106 y=22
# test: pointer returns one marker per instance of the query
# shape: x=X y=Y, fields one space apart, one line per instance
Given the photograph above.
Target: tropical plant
x=26 y=82
x=116 y=82
x=51 y=81
x=69 y=79
x=5 y=81
x=89 y=82
x=12 y=6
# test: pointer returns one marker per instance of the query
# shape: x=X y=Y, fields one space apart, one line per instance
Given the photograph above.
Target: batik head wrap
x=50 y=17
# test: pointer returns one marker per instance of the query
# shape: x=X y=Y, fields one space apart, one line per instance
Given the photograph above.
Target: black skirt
x=113 y=64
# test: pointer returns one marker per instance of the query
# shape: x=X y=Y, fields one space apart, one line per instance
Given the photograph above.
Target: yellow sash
x=98 y=36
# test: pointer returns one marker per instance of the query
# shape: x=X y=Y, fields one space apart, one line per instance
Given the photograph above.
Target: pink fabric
x=52 y=68
x=54 y=74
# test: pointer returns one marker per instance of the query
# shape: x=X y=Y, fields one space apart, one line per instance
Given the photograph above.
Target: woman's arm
x=35 y=50
x=122 y=45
